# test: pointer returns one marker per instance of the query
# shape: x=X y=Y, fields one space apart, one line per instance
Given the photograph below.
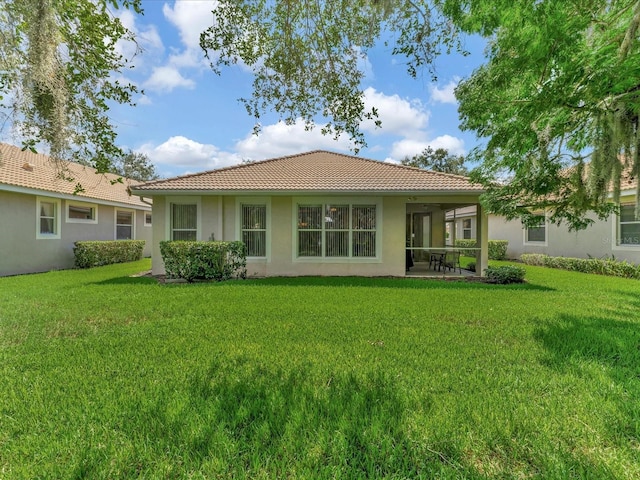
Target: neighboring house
x=317 y=213
x=42 y=218
x=461 y=224
x=618 y=236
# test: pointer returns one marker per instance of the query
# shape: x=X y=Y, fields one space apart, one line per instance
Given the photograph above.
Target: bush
x=497 y=248
x=471 y=266
x=505 y=274
x=96 y=253
x=204 y=260
x=600 y=266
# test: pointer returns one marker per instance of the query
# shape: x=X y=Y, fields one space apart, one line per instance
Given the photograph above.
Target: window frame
x=324 y=202
x=540 y=243
x=150 y=222
x=57 y=220
x=255 y=201
x=182 y=200
x=467 y=229
x=617 y=233
x=93 y=206
x=116 y=224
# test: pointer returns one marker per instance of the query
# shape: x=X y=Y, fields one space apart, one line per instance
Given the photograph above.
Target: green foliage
x=559 y=120
x=135 y=166
x=59 y=62
x=600 y=266
x=471 y=266
x=204 y=260
x=497 y=248
x=505 y=274
x=439 y=160
x=96 y=253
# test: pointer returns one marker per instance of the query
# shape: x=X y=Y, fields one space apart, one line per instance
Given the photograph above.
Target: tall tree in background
x=438 y=160
x=135 y=166
x=57 y=65
x=561 y=88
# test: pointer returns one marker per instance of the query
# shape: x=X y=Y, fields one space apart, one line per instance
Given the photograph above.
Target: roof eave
x=151 y=193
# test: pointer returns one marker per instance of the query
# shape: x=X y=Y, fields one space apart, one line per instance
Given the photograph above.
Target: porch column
x=482 y=239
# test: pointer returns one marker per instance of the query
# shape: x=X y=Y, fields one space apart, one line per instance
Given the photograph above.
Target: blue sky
x=189 y=119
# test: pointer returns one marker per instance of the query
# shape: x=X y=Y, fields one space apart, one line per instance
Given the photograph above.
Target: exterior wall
x=598 y=240
x=22 y=252
x=218 y=215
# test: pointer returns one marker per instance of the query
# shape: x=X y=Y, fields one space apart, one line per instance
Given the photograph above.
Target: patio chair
x=451 y=260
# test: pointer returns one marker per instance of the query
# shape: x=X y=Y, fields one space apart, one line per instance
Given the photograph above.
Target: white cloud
x=180 y=155
x=280 y=139
x=399 y=116
x=165 y=79
x=445 y=94
x=191 y=19
x=148 y=42
x=409 y=147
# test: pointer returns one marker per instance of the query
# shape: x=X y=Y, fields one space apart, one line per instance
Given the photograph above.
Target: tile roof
x=29 y=170
x=316 y=171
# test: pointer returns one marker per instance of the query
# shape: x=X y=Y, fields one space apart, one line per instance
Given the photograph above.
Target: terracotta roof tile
x=36 y=171
x=317 y=171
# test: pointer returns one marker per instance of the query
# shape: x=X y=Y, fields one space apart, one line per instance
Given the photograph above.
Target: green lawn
x=107 y=376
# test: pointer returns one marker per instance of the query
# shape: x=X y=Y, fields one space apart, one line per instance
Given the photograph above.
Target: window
x=124 y=224
x=82 y=213
x=537 y=233
x=335 y=231
x=254 y=229
x=628 y=226
x=48 y=218
x=147 y=219
x=466 y=228
x=184 y=221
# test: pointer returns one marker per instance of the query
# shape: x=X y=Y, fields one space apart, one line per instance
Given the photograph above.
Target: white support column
x=482 y=239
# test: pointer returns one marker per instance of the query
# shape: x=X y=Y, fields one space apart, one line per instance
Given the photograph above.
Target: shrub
x=471 y=266
x=204 y=260
x=505 y=274
x=96 y=253
x=497 y=248
x=600 y=266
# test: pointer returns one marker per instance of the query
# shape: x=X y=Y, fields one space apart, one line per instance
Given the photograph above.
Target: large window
x=536 y=233
x=184 y=221
x=628 y=226
x=334 y=231
x=254 y=229
x=82 y=213
x=48 y=218
x=124 y=224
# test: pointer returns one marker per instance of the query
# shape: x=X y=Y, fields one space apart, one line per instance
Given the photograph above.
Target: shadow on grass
x=127 y=281
x=372 y=282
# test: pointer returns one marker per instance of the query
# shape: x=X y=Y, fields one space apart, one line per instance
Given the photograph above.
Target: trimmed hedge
x=505 y=274
x=599 y=266
x=497 y=248
x=204 y=260
x=96 y=253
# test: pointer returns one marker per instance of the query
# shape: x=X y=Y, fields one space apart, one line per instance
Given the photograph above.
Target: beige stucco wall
x=22 y=252
x=218 y=216
x=598 y=240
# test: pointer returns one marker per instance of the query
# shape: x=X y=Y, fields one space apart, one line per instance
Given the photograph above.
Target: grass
x=107 y=376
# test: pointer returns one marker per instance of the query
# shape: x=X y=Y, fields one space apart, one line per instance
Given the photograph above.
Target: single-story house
x=42 y=217
x=316 y=213
x=618 y=236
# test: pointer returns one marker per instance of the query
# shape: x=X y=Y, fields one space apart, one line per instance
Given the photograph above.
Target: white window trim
x=254 y=201
x=183 y=200
x=615 y=235
x=94 y=206
x=115 y=222
x=337 y=200
x=57 y=218
x=145 y=213
x=545 y=243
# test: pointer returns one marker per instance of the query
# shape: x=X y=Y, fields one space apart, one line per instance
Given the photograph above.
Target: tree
x=438 y=160
x=560 y=117
x=135 y=166
x=560 y=90
x=57 y=64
